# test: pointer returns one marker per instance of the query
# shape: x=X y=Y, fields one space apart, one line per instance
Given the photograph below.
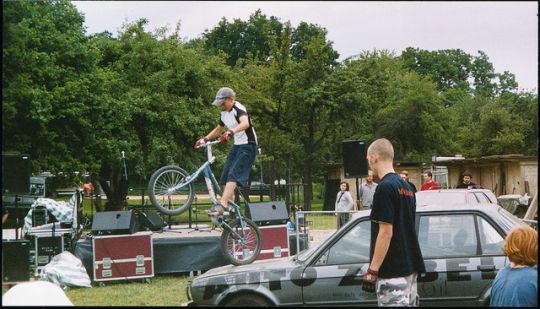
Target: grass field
x=163 y=290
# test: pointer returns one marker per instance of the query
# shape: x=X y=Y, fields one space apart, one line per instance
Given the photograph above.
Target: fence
x=314 y=227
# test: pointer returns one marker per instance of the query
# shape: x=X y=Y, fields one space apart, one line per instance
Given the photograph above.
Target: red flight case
x=122 y=257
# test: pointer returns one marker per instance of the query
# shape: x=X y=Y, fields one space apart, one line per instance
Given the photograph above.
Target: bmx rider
x=235 y=119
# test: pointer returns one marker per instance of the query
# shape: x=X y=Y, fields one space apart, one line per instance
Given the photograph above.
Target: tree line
x=74 y=101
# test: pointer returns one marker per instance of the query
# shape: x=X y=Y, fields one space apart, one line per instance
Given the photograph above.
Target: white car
x=461 y=247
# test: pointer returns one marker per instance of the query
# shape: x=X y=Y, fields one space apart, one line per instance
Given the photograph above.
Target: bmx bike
x=171 y=191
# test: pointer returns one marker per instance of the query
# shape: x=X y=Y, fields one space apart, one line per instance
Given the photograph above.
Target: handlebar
x=208 y=147
x=209 y=143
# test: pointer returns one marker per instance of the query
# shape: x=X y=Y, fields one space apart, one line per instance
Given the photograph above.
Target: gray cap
x=222 y=94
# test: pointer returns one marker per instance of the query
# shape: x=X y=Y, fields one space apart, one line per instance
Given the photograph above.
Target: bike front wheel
x=241 y=246
x=168 y=201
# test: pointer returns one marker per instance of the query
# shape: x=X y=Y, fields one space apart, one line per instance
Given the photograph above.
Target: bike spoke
x=243 y=248
x=170 y=202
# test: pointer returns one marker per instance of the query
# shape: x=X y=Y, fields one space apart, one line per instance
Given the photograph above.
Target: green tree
x=239 y=39
x=415 y=119
x=259 y=36
x=47 y=72
x=155 y=103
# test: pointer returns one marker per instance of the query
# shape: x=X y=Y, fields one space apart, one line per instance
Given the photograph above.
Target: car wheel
x=247 y=300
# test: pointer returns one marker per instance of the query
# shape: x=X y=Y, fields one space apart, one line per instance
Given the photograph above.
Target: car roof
x=454 y=190
x=482 y=207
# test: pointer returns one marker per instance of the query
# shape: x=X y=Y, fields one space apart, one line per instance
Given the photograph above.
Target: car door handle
x=486 y=267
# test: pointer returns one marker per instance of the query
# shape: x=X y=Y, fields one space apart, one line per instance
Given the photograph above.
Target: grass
x=164 y=290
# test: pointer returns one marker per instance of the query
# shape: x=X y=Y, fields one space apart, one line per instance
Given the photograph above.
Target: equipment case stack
x=47 y=244
x=275 y=241
x=123 y=257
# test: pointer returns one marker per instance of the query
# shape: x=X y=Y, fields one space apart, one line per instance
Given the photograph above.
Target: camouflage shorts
x=401 y=291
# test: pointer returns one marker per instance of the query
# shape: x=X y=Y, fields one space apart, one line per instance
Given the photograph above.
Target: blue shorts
x=238 y=164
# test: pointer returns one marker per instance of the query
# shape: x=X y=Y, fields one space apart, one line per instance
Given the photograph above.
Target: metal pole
x=261 y=181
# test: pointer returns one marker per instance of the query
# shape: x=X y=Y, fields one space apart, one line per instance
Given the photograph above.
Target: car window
x=447 y=235
x=482 y=198
x=472 y=199
x=491 y=241
x=508 y=220
x=352 y=247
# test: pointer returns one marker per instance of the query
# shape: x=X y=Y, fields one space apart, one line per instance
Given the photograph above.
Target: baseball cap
x=222 y=94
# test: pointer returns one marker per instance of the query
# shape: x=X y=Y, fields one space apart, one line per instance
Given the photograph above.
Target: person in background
x=344 y=202
x=367 y=190
x=466 y=182
x=405 y=176
x=516 y=285
x=395 y=259
x=429 y=183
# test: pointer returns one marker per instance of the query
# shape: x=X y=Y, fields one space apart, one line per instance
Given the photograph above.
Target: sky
x=506 y=31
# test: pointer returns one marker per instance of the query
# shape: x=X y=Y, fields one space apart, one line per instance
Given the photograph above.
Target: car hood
x=279 y=263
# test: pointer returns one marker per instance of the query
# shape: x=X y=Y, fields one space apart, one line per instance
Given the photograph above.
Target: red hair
x=521 y=246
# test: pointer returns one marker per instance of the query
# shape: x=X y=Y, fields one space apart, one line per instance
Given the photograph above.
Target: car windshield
x=441 y=198
x=304 y=255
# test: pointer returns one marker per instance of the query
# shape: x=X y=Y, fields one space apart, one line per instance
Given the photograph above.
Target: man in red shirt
x=429 y=183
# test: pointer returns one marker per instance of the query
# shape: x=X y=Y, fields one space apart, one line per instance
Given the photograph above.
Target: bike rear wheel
x=170 y=202
x=243 y=250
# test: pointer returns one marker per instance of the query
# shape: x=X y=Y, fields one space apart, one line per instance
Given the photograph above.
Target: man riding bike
x=235 y=119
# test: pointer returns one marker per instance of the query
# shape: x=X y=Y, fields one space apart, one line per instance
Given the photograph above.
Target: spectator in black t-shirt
x=405 y=176
x=395 y=256
x=466 y=181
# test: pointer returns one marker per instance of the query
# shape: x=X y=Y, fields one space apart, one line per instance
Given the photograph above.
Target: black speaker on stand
x=15 y=174
x=355 y=163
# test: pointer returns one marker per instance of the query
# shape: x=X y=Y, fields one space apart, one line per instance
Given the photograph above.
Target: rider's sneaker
x=218 y=210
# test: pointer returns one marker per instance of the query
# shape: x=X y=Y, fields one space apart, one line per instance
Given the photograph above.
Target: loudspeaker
x=114 y=223
x=150 y=221
x=15 y=174
x=267 y=213
x=355 y=163
x=331 y=189
x=15 y=260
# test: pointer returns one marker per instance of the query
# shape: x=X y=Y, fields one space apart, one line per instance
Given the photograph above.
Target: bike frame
x=211 y=184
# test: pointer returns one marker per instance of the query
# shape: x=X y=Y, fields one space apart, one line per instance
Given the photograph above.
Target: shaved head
x=381 y=148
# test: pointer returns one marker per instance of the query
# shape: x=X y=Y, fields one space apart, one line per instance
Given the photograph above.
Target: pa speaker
x=354 y=159
x=15 y=174
x=15 y=260
x=114 y=223
x=267 y=213
x=150 y=221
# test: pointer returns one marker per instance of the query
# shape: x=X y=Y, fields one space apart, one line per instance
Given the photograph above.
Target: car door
x=461 y=253
x=334 y=276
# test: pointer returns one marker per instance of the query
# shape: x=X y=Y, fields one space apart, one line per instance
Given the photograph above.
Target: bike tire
x=170 y=203
x=233 y=249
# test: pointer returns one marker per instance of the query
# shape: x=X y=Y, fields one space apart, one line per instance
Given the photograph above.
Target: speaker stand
x=196 y=211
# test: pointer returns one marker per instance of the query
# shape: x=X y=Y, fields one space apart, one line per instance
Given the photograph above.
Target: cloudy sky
x=506 y=31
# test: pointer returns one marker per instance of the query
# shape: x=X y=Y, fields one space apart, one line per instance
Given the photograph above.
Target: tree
x=258 y=36
x=452 y=69
x=415 y=119
x=154 y=103
x=239 y=39
x=47 y=73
